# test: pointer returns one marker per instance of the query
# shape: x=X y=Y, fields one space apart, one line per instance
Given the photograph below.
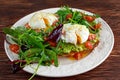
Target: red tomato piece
x=14 y=48
x=91 y=37
x=89 y=18
x=77 y=55
x=68 y=16
x=88 y=45
x=97 y=26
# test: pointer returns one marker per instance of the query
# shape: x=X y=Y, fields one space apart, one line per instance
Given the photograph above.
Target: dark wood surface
x=13 y=10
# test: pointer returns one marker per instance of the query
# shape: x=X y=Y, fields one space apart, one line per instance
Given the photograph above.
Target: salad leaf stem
x=39 y=63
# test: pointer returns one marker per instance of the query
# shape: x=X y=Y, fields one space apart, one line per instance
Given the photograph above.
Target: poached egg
x=41 y=20
x=74 y=33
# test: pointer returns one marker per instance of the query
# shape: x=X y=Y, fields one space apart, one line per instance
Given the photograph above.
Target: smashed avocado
x=66 y=48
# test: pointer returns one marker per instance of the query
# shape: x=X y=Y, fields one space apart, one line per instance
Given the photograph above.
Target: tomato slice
x=77 y=55
x=97 y=26
x=89 y=18
x=91 y=37
x=14 y=48
x=88 y=45
x=68 y=16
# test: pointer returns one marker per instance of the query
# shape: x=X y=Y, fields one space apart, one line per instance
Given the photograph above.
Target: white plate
x=70 y=67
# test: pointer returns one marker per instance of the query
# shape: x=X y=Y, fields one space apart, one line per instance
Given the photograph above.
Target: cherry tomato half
x=77 y=55
x=89 y=18
x=68 y=16
x=88 y=45
x=14 y=48
x=97 y=26
x=91 y=37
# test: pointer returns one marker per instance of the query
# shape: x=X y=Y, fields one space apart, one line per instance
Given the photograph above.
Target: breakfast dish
x=53 y=37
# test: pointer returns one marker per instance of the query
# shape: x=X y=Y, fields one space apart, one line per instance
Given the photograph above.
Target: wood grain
x=13 y=10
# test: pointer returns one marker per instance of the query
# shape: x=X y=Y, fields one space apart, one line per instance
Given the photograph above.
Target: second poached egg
x=74 y=33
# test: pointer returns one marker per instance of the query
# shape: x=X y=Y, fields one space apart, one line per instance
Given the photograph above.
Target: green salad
x=47 y=36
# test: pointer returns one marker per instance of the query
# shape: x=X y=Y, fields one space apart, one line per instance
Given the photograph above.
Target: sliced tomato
x=88 y=45
x=68 y=16
x=14 y=48
x=97 y=26
x=89 y=18
x=91 y=37
x=77 y=55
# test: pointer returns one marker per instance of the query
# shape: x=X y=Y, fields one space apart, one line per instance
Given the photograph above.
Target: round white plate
x=71 y=67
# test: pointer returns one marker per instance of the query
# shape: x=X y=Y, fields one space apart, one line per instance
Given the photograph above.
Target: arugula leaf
x=11 y=32
x=63 y=12
x=31 y=52
x=84 y=22
x=31 y=40
x=39 y=63
x=53 y=56
x=77 y=16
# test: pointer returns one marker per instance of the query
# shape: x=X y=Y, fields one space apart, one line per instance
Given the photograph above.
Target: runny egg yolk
x=74 y=33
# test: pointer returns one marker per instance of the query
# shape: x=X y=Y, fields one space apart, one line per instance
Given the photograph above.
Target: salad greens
x=77 y=18
x=34 y=48
x=64 y=11
x=34 y=43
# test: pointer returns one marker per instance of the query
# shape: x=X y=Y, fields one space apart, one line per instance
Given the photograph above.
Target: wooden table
x=13 y=10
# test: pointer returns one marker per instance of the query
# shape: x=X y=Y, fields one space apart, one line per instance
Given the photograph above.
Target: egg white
x=71 y=33
x=37 y=21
